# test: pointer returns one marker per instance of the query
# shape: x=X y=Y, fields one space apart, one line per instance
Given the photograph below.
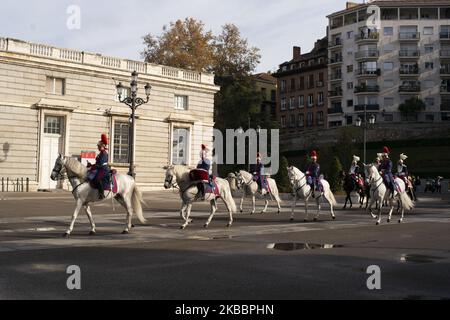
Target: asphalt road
x=255 y=259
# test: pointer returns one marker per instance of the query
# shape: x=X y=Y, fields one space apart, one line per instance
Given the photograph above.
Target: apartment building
x=376 y=69
x=302 y=92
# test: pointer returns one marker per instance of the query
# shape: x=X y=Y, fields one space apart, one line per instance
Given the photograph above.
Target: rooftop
x=8 y=45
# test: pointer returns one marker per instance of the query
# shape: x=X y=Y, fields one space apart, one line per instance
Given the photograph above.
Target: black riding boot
x=201 y=191
x=101 y=191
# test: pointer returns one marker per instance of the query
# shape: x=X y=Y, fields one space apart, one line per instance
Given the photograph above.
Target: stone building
x=60 y=101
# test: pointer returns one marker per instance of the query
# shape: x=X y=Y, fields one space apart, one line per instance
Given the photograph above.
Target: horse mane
x=245 y=173
x=76 y=167
x=296 y=170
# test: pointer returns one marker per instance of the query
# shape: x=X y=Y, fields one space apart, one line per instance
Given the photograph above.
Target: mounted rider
x=386 y=171
x=402 y=169
x=313 y=172
x=99 y=172
x=258 y=171
x=204 y=164
x=355 y=171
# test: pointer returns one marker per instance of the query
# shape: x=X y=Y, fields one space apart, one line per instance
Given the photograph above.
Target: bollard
x=28 y=184
x=7 y=184
x=21 y=184
x=3 y=184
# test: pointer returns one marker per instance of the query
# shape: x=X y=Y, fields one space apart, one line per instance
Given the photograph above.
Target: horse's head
x=295 y=175
x=231 y=178
x=240 y=181
x=170 y=180
x=59 y=169
x=370 y=171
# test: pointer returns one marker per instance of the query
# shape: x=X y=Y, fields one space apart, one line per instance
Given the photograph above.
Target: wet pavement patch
x=293 y=246
x=418 y=258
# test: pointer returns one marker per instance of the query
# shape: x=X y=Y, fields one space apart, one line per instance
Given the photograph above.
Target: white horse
x=244 y=180
x=178 y=176
x=379 y=193
x=302 y=190
x=128 y=194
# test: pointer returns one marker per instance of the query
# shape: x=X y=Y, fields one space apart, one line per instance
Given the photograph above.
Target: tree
x=346 y=144
x=282 y=177
x=411 y=107
x=334 y=176
x=233 y=56
x=185 y=44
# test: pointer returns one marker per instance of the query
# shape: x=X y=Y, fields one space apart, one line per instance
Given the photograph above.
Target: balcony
x=335 y=43
x=372 y=36
x=367 y=54
x=445 y=70
x=445 y=89
x=413 y=71
x=444 y=54
x=336 y=77
x=445 y=106
x=409 y=36
x=444 y=35
x=335 y=93
x=336 y=60
x=368 y=72
x=320 y=84
x=367 y=107
x=335 y=110
x=367 y=88
x=409 y=54
x=410 y=88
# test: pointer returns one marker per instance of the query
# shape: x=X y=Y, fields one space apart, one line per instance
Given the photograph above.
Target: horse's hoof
x=305 y=220
x=92 y=233
x=66 y=235
x=378 y=223
x=229 y=225
x=182 y=227
x=400 y=221
x=242 y=211
x=132 y=225
x=291 y=220
x=315 y=219
x=389 y=220
x=125 y=232
x=334 y=218
x=206 y=226
x=262 y=212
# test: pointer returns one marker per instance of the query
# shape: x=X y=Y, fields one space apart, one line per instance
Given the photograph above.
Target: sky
x=115 y=28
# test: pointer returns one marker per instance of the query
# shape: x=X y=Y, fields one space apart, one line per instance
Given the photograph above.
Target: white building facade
x=56 y=101
x=378 y=68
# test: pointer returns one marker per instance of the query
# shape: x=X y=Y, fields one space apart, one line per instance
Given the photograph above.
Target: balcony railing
x=336 y=77
x=445 y=89
x=367 y=107
x=444 y=54
x=444 y=35
x=336 y=60
x=335 y=93
x=335 y=110
x=409 y=53
x=368 y=36
x=410 y=36
x=409 y=71
x=413 y=88
x=445 y=106
x=368 y=72
x=335 y=43
x=365 y=54
x=445 y=70
x=367 y=88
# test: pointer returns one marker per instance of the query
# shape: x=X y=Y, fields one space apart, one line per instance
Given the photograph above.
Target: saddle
x=109 y=182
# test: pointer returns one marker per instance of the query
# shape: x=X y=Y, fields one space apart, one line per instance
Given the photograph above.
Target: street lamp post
x=133 y=102
x=365 y=125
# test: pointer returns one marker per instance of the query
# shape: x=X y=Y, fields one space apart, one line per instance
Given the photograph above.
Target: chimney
x=352 y=5
x=297 y=53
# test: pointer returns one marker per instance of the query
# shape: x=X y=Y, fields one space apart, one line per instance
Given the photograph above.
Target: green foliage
x=282 y=177
x=412 y=106
x=334 y=175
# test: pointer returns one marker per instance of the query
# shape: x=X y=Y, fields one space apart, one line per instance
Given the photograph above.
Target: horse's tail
x=331 y=198
x=228 y=198
x=136 y=202
x=407 y=203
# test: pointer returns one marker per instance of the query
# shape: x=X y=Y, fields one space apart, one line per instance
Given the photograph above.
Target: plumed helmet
x=356 y=159
x=314 y=154
x=403 y=157
x=103 y=140
x=386 y=151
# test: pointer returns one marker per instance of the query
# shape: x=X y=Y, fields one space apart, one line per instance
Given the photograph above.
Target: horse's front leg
x=253 y=204
x=266 y=205
x=242 y=203
x=306 y=209
x=319 y=206
x=369 y=208
x=188 y=213
x=91 y=220
x=379 y=213
x=294 y=204
x=129 y=218
x=74 y=218
x=213 y=211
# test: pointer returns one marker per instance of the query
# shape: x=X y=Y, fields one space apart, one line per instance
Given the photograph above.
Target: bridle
x=297 y=189
x=241 y=182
